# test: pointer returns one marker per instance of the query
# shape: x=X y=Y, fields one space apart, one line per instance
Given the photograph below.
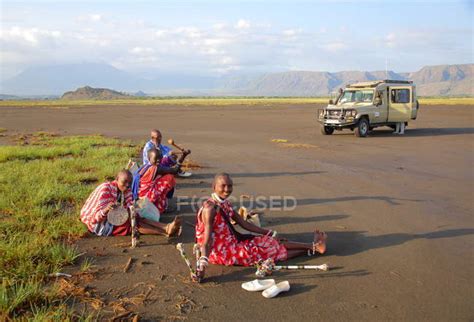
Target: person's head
x=124 y=180
x=154 y=156
x=223 y=185
x=156 y=136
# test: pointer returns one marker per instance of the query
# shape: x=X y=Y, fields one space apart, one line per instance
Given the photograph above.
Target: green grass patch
x=446 y=100
x=42 y=188
x=208 y=101
x=168 y=101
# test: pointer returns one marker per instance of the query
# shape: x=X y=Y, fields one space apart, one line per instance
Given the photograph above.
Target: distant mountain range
x=441 y=80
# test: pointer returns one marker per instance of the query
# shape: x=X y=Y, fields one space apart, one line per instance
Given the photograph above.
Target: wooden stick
x=180 y=248
x=171 y=141
x=127 y=266
x=133 y=221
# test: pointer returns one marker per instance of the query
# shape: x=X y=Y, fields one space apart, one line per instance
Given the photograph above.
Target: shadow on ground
x=443 y=131
x=342 y=243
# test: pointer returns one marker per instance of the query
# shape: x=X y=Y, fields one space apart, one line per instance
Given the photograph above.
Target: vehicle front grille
x=334 y=114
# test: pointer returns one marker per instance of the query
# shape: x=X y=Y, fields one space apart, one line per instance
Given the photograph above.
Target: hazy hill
x=455 y=80
x=445 y=80
x=88 y=92
x=4 y=97
x=56 y=79
x=302 y=83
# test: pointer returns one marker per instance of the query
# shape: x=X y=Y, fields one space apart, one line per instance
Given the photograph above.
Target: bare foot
x=174 y=228
x=319 y=243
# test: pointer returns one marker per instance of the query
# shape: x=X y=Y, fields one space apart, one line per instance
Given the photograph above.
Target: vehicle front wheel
x=327 y=130
x=362 y=127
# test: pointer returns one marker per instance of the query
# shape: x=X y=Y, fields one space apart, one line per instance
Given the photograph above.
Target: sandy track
x=398 y=211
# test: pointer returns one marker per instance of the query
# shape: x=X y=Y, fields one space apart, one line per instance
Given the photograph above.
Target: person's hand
x=199 y=276
x=109 y=208
x=176 y=169
x=186 y=152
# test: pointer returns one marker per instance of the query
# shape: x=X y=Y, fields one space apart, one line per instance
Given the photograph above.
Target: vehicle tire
x=362 y=128
x=327 y=130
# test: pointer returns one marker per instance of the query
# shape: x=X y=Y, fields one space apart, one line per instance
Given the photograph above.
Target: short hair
x=154 y=131
x=154 y=151
x=221 y=175
x=124 y=172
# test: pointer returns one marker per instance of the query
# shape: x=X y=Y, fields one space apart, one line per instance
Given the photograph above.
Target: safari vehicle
x=364 y=106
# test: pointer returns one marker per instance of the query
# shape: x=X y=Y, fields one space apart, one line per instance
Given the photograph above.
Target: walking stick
x=133 y=222
x=266 y=267
x=193 y=272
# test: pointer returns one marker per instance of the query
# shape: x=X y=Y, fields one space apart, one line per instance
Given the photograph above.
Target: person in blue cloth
x=170 y=159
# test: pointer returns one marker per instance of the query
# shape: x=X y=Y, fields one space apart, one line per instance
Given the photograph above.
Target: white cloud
x=142 y=51
x=219 y=26
x=30 y=36
x=161 y=33
x=222 y=47
x=93 y=17
x=242 y=24
x=292 y=32
x=335 y=46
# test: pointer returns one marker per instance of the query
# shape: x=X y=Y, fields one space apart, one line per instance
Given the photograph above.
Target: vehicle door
x=400 y=106
x=380 y=110
x=414 y=104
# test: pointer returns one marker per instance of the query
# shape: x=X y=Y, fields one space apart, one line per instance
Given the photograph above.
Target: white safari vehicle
x=363 y=106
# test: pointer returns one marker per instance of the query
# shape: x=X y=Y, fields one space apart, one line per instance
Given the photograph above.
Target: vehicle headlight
x=350 y=112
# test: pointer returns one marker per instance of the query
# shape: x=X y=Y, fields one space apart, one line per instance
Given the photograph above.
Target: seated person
x=117 y=193
x=221 y=244
x=170 y=159
x=157 y=182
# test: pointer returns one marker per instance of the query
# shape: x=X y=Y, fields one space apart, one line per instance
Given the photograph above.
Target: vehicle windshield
x=357 y=96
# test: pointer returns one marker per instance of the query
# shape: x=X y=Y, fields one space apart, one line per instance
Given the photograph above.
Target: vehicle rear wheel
x=362 y=127
x=327 y=130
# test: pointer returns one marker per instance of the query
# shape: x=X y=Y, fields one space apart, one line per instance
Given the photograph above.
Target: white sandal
x=184 y=174
x=276 y=289
x=258 y=285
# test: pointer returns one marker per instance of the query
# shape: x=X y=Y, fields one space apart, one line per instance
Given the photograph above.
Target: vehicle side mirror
x=331 y=102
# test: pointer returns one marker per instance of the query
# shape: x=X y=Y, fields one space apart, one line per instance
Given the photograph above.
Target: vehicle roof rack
x=375 y=83
x=393 y=81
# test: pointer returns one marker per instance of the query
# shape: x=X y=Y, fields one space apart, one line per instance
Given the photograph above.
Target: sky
x=213 y=38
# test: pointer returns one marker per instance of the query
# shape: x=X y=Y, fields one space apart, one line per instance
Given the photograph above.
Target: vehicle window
x=357 y=96
x=400 y=95
x=381 y=95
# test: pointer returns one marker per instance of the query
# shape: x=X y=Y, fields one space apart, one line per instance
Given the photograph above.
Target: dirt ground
x=398 y=211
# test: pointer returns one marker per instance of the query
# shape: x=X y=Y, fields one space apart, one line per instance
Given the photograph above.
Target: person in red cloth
x=221 y=244
x=156 y=182
x=117 y=193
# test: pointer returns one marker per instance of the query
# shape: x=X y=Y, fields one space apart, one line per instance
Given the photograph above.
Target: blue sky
x=222 y=37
